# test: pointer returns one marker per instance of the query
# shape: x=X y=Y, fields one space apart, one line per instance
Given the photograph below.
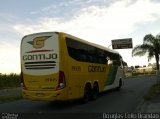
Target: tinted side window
x=84 y=52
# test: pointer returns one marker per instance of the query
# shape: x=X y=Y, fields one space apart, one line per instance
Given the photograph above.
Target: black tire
x=120 y=85
x=95 y=91
x=87 y=94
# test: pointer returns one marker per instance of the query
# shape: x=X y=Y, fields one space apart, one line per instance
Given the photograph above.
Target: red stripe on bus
x=33 y=51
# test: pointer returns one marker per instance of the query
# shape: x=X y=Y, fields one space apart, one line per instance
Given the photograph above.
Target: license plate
x=40 y=94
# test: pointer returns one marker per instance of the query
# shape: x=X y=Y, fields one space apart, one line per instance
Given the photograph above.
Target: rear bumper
x=59 y=95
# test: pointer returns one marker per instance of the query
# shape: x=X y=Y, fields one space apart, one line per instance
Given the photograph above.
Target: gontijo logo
x=39 y=42
x=39 y=59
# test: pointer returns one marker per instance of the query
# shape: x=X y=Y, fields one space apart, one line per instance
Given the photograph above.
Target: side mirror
x=107 y=58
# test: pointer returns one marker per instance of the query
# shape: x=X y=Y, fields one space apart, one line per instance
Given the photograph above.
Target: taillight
x=22 y=81
x=61 y=81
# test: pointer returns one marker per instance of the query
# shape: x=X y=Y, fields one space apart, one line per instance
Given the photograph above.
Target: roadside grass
x=8 y=98
x=8 y=81
x=138 y=74
x=153 y=92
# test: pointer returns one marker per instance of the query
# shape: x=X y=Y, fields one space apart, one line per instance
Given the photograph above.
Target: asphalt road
x=125 y=100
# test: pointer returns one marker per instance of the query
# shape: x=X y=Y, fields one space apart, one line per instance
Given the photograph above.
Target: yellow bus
x=56 y=66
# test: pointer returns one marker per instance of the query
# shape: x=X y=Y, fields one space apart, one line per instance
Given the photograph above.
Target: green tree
x=150 y=46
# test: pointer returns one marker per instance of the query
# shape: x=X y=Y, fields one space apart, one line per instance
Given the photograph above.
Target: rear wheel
x=95 y=91
x=87 y=94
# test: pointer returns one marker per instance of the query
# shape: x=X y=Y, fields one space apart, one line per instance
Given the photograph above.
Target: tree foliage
x=150 y=46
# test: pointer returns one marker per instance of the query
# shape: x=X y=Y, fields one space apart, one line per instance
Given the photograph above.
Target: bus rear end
x=40 y=72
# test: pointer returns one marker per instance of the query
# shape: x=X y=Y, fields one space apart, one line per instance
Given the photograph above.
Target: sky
x=97 y=21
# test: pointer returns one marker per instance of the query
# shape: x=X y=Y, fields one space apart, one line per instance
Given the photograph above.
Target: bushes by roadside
x=153 y=91
x=9 y=81
x=144 y=73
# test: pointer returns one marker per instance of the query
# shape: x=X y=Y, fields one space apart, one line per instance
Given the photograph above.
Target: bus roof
x=93 y=44
x=80 y=40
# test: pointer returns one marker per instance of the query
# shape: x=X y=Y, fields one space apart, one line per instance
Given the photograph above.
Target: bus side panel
x=120 y=75
x=75 y=77
x=96 y=72
x=64 y=62
x=114 y=75
x=102 y=81
x=72 y=70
